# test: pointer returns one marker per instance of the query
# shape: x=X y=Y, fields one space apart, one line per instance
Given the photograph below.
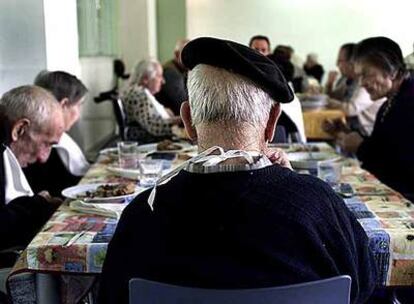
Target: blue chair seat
x=328 y=291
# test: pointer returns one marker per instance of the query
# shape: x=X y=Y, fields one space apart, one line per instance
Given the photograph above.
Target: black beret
x=240 y=59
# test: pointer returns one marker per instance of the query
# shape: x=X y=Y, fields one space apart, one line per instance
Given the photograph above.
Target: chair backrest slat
x=328 y=291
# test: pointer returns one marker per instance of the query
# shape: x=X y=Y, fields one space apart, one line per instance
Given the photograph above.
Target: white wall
x=97 y=121
x=22 y=42
x=319 y=26
x=137 y=30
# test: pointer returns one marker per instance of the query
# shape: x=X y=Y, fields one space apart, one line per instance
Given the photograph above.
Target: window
x=98 y=27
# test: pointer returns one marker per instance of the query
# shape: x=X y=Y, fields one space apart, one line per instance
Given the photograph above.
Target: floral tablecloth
x=75 y=243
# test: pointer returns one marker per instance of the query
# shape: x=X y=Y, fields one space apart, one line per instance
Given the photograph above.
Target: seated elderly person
x=261 y=44
x=388 y=152
x=235 y=216
x=148 y=120
x=349 y=96
x=67 y=163
x=32 y=122
x=313 y=68
x=174 y=91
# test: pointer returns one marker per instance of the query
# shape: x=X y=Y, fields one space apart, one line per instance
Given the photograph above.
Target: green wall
x=171 y=25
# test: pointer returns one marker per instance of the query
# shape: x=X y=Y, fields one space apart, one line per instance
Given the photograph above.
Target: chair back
x=120 y=117
x=328 y=291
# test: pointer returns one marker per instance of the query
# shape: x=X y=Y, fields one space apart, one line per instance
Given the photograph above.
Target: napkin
x=72 y=156
x=106 y=209
x=16 y=183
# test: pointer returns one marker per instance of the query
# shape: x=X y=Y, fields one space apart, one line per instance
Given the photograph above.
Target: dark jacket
x=389 y=152
x=174 y=90
x=51 y=175
x=21 y=218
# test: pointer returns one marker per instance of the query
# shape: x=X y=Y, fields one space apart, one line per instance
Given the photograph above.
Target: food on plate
x=109 y=190
x=168 y=145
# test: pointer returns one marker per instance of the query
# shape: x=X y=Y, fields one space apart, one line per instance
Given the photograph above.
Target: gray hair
x=144 y=68
x=31 y=102
x=217 y=95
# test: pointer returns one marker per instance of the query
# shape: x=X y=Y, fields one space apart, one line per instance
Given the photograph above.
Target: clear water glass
x=127 y=154
x=330 y=171
x=151 y=171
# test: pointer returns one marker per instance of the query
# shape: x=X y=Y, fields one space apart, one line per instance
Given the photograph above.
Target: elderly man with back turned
x=31 y=123
x=234 y=216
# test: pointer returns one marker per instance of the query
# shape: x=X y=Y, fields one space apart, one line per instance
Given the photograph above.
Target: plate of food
x=310 y=160
x=103 y=193
x=165 y=146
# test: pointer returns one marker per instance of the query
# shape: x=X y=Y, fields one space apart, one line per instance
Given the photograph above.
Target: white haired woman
x=148 y=120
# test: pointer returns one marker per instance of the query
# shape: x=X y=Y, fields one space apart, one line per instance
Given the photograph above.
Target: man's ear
x=271 y=122
x=64 y=102
x=185 y=113
x=19 y=128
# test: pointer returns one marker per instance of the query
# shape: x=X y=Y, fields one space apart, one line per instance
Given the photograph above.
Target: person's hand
x=278 y=156
x=170 y=112
x=50 y=199
x=334 y=104
x=335 y=126
x=349 y=142
x=176 y=120
x=332 y=75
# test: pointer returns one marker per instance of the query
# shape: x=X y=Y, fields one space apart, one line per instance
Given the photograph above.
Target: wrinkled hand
x=278 y=156
x=349 y=142
x=50 y=199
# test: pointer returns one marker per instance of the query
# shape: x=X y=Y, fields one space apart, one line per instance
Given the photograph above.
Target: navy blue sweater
x=247 y=229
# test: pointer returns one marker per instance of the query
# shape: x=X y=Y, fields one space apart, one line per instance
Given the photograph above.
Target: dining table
x=313 y=120
x=63 y=262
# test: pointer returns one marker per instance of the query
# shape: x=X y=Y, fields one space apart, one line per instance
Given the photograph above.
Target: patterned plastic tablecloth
x=388 y=220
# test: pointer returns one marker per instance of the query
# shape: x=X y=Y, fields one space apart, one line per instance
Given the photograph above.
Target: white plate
x=75 y=191
x=127 y=173
x=133 y=174
x=310 y=160
x=147 y=148
x=108 y=151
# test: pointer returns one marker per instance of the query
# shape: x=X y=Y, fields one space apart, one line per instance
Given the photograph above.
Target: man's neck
x=230 y=137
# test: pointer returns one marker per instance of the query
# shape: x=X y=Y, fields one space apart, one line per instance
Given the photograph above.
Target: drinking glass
x=151 y=171
x=127 y=154
x=330 y=171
